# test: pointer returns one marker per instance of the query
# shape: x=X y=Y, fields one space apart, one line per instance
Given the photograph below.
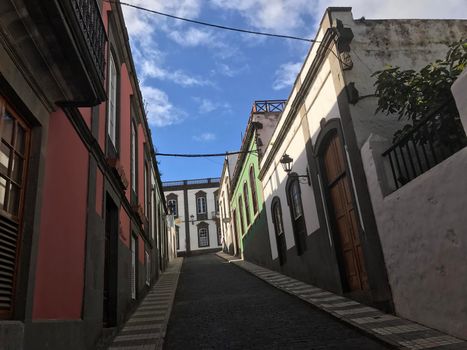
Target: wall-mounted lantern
x=192 y=219
x=287 y=164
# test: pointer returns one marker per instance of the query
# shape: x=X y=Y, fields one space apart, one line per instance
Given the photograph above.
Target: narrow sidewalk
x=146 y=328
x=392 y=330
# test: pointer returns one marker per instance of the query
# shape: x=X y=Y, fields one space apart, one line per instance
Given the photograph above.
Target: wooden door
x=344 y=217
x=14 y=149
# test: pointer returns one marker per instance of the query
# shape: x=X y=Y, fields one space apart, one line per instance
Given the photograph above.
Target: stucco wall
x=212 y=224
x=60 y=263
x=229 y=244
x=320 y=103
x=422 y=229
x=409 y=44
x=180 y=220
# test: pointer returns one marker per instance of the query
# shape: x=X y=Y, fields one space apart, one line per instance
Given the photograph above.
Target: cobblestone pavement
x=395 y=331
x=219 y=306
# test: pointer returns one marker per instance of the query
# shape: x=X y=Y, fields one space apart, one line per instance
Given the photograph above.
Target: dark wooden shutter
x=8 y=252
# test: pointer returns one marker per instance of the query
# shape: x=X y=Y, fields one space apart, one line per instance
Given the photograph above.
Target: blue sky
x=199 y=83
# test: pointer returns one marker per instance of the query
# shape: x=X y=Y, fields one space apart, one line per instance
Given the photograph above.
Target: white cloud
x=283 y=16
x=207 y=106
x=286 y=74
x=205 y=137
x=296 y=16
x=153 y=70
x=192 y=37
x=396 y=9
x=230 y=71
x=160 y=111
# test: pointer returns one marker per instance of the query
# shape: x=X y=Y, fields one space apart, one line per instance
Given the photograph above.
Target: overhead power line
x=211 y=24
x=186 y=155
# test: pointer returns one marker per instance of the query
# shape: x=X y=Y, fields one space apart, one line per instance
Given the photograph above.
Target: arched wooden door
x=343 y=215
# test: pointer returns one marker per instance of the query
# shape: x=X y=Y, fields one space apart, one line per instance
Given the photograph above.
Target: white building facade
x=194 y=207
x=346 y=227
x=230 y=240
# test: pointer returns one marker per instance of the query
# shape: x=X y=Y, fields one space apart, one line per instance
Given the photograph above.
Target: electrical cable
x=211 y=24
x=186 y=155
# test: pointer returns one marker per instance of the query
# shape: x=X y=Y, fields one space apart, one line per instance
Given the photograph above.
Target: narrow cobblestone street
x=219 y=306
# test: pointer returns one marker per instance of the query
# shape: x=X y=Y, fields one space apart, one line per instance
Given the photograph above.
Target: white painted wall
x=320 y=103
x=193 y=232
x=211 y=219
x=422 y=227
x=225 y=212
x=180 y=221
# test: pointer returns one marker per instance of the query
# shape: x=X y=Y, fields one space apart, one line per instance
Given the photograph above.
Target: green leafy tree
x=424 y=96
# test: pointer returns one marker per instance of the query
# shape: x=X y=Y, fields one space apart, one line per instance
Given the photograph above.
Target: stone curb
x=146 y=328
x=163 y=331
x=394 y=331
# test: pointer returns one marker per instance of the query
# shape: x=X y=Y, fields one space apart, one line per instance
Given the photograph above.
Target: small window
x=112 y=101
x=203 y=237
x=254 y=197
x=201 y=205
x=172 y=204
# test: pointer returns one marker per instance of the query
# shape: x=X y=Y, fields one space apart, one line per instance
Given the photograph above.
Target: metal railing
x=88 y=14
x=432 y=140
x=268 y=106
x=192 y=182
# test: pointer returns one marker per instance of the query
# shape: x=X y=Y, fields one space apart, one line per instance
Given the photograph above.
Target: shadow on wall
x=256 y=243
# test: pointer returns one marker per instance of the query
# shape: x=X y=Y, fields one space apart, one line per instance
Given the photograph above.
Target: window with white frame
x=201 y=205
x=112 y=101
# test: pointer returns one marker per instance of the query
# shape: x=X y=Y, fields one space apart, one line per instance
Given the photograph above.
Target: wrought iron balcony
x=89 y=18
x=62 y=45
x=268 y=106
x=419 y=148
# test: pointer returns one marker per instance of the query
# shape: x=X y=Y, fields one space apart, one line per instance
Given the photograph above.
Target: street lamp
x=192 y=219
x=287 y=164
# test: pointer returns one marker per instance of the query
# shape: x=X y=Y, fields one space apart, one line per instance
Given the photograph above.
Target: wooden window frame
x=246 y=200
x=278 y=223
x=294 y=183
x=254 y=195
x=15 y=219
x=201 y=196
x=240 y=215
x=112 y=92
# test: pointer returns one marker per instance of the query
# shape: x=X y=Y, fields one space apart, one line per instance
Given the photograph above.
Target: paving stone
x=219 y=306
